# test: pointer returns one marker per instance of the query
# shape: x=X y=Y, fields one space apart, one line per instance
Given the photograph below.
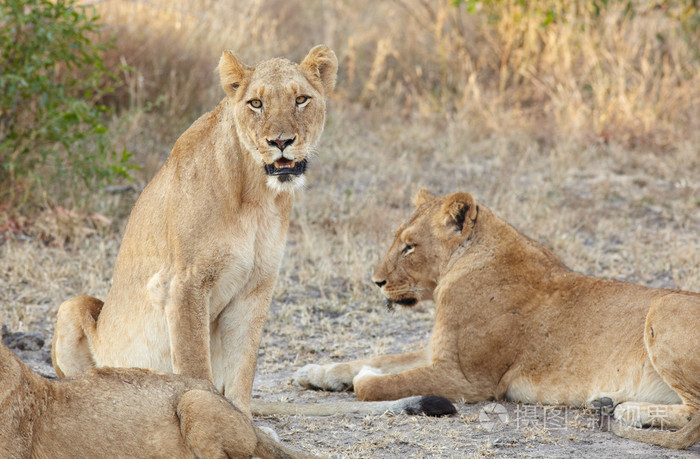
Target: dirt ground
x=477 y=430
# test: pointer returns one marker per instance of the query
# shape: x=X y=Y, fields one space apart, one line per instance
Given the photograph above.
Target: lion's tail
x=75 y=331
x=429 y=405
x=683 y=438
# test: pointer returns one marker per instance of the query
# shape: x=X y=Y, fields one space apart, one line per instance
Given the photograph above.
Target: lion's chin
x=285 y=183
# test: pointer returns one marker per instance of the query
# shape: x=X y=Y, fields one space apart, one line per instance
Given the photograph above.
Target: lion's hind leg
x=672 y=340
x=686 y=436
x=71 y=350
x=212 y=427
x=643 y=414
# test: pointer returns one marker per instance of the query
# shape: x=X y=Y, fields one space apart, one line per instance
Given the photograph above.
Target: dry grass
x=583 y=134
x=608 y=77
x=627 y=75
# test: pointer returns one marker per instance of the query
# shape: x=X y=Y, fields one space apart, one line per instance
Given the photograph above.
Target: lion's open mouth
x=284 y=166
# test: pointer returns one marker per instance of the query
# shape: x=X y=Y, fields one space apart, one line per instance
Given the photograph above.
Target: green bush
x=52 y=77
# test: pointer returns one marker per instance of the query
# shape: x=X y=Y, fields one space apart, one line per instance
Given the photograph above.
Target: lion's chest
x=249 y=258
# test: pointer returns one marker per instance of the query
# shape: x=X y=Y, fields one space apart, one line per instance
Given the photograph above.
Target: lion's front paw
x=324 y=377
x=309 y=375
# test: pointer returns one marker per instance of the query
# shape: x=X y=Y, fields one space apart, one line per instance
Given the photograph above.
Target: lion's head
x=279 y=109
x=423 y=246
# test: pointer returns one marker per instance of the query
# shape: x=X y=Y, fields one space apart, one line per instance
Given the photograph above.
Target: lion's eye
x=255 y=103
x=301 y=100
x=408 y=249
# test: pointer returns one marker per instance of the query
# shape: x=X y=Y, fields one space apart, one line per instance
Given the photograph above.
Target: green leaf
x=52 y=76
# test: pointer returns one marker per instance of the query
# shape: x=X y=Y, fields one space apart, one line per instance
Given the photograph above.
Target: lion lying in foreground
x=118 y=412
x=512 y=322
x=200 y=255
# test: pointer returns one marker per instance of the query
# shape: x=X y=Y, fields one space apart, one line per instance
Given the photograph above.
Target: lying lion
x=200 y=255
x=512 y=322
x=118 y=412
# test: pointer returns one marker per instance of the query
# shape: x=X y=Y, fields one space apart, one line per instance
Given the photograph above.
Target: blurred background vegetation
x=90 y=91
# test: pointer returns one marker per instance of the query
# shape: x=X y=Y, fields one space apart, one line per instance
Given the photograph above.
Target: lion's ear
x=459 y=209
x=422 y=196
x=322 y=64
x=232 y=72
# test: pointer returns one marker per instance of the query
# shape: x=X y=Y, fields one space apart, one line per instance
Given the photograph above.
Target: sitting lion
x=120 y=412
x=512 y=322
x=201 y=251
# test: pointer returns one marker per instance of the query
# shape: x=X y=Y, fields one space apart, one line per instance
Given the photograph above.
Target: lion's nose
x=380 y=283
x=281 y=143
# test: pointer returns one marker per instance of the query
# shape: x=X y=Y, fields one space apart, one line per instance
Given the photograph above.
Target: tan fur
x=118 y=412
x=512 y=322
x=203 y=245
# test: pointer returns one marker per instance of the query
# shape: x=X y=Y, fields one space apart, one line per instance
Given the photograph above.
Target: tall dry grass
x=625 y=72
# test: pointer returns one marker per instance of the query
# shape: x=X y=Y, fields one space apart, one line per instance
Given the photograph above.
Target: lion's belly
x=636 y=382
x=591 y=346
